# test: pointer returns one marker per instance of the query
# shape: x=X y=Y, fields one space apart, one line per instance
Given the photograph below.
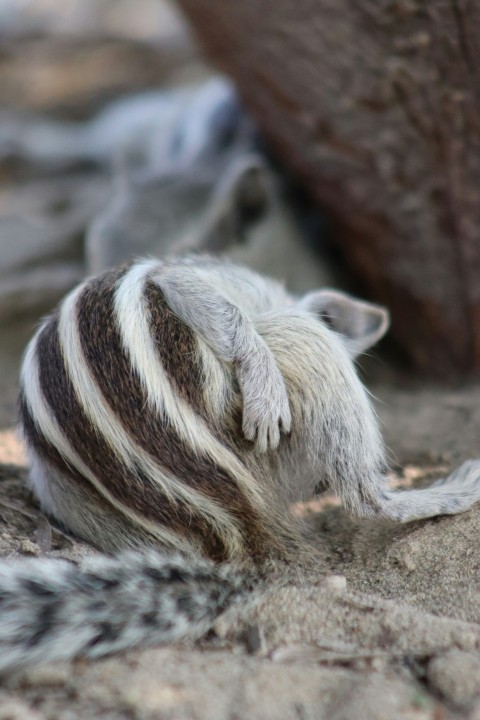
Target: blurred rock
x=36 y=291
x=71 y=78
x=242 y=214
x=41 y=229
x=71 y=57
x=142 y=20
x=208 y=188
x=456 y=676
x=151 y=129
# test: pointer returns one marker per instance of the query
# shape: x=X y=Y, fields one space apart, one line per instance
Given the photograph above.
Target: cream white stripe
x=132 y=319
x=50 y=430
x=101 y=416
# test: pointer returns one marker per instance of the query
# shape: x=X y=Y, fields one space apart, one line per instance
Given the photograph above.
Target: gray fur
x=211 y=301
x=287 y=364
x=55 y=610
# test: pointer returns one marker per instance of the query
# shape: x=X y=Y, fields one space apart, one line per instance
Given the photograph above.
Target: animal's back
x=116 y=404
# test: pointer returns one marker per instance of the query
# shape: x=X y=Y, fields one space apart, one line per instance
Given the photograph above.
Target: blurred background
x=117 y=139
x=63 y=62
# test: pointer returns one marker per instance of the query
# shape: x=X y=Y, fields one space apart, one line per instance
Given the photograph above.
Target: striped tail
x=54 y=610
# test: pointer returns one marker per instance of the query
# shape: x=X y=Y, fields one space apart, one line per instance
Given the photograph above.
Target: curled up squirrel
x=173 y=411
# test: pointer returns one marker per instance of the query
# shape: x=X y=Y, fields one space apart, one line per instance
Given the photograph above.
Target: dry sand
x=388 y=628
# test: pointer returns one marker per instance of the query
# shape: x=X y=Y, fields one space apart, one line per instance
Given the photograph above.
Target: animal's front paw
x=266 y=410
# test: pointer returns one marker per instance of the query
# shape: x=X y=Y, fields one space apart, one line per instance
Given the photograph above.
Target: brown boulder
x=376 y=106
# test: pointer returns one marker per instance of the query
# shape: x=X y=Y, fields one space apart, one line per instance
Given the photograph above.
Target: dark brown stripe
x=112 y=370
x=177 y=349
x=51 y=455
x=178 y=352
x=133 y=490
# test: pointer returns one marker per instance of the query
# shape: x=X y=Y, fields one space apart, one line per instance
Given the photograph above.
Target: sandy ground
x=388 y=628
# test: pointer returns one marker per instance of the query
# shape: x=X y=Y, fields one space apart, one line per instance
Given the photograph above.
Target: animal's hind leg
x=335 y=432
x=372 y=496
x=366 y=493
x=83 y=511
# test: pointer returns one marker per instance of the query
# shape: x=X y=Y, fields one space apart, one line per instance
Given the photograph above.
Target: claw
x=249 y=431
x=262 y=442
x=266 y=412
x=285 y=422
x=274 y=436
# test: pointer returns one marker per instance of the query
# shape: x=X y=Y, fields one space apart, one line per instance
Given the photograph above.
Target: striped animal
x=183 y=405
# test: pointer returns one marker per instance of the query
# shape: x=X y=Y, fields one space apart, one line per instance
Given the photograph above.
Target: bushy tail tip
x=55 y=610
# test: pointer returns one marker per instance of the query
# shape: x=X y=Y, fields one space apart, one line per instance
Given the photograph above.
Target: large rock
x=376 y=106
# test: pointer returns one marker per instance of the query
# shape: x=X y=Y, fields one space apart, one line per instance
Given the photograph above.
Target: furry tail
x=55 y=610
x=448 y=496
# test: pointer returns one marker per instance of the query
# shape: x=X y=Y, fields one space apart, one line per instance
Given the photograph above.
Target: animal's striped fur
x=184 y=404
x=105 y=365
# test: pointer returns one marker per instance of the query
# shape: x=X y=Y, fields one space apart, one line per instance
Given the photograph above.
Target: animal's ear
x=361 y=323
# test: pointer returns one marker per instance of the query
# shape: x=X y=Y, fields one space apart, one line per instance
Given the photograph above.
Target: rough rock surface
x=376 y=106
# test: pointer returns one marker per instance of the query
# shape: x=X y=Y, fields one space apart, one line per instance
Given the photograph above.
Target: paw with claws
x=266 y=410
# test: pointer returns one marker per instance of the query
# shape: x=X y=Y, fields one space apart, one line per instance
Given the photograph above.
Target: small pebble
x=27 y=547
x=12 y=708
x=335 y=582
x=456 y=676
